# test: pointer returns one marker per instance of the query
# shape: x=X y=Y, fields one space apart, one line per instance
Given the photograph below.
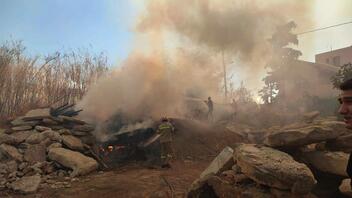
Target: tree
x=343 y=74
x=283 y=55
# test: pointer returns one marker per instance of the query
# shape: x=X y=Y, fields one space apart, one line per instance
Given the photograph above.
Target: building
x=337 y=57
x=304 y=77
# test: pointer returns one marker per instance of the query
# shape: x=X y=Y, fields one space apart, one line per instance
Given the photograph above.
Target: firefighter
x=165 y=129
x=210 y=105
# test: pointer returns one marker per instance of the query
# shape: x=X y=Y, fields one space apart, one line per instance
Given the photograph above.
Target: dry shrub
x=28 y=82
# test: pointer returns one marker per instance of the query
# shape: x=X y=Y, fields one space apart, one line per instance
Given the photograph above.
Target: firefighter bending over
x=165 y=129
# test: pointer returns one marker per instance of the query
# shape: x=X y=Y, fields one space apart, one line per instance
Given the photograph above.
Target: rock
x=23 y=165
x=83 y=128
x=20 y=122
x=79 y=163
x=49 y=168
x=35 y=138
x=23 y=146
x=329 y=162
x=3 y=168
x=54 y=145
x=72 y=142
x=342 y=143
x=223 y=161
x=7 y=139
x=21 y=136
x=301 y=136
x=274 y=168
x=22 y=128
x=64 y=132
x=52 y=135
x=41 y=128
x=49 y=121
x=35 y=153
x=37 y=114
x=27 y=185
x=72 y=120
x=11 y=166
x=11 y=152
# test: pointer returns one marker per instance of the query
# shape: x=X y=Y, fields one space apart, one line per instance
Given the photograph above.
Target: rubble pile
x=306 y=159
x=43 y=147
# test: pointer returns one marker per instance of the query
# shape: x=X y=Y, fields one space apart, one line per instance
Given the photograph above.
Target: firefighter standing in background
x=210 y=108
x=165 y=129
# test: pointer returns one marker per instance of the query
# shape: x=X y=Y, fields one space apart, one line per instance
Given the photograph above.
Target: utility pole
x=225 y=75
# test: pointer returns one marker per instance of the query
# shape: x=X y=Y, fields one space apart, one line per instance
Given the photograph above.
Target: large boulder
x=223 y=161
x=72 y=142
x=35 y=153
x=79 y=163
x=11 y=152
x=301 y=136
x=26 y=185
x=274 y=168
x=329 y=162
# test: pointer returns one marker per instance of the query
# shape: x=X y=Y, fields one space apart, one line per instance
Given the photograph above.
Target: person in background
x=210 y=105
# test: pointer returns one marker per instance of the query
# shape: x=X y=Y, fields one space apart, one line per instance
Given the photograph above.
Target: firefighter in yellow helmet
x=165 y=129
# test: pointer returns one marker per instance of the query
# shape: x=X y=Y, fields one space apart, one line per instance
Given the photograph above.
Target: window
x=336 y=61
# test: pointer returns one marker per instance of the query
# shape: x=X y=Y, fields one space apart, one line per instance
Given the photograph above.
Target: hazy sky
x=327 y=13
x=106 y=25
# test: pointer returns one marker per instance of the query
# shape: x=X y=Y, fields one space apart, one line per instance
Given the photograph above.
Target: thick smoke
x=185 y=38
x=148 y=85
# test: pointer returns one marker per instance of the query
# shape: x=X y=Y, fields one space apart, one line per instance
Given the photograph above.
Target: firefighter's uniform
x=165 y=129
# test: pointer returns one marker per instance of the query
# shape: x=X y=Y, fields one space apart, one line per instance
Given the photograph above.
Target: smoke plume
x=185 y=39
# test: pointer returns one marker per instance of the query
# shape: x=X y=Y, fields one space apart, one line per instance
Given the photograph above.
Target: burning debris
x=43 y=146
x=299 y=160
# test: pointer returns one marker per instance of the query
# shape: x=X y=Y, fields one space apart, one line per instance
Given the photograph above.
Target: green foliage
x=282 y=57
x=344 y=73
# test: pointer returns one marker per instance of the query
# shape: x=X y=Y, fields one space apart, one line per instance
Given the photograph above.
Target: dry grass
x=27 y=82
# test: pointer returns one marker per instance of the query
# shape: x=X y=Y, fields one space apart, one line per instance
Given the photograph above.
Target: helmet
x=164 y=119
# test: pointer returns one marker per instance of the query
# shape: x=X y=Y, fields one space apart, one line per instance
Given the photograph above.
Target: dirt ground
x=129 y=181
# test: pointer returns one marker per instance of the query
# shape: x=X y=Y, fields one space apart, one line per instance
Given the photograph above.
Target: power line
x=324 y=28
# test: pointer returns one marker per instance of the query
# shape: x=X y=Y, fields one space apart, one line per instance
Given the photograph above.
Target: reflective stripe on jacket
x=165 y=129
